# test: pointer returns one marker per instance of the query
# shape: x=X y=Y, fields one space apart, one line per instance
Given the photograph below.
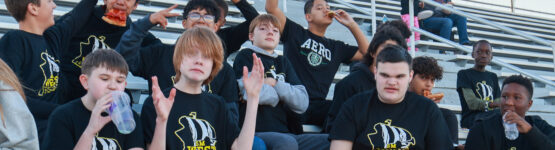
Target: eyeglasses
x=196 y=16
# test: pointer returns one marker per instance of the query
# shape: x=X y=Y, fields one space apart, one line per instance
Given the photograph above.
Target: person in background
x=17 y=126
x=516 y=100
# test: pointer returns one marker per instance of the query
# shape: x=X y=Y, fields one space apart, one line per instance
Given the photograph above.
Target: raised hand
x=253 y=83
x=97 y=121
x=162 y=104
x=344 y=18
x=160 y=17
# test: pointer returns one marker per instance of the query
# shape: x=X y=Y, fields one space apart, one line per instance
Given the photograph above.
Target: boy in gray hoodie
x=283 y=98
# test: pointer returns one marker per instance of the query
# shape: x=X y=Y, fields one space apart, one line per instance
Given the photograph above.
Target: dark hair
x=385 y=33
x=427 y=67
x=107 y=58
x=519 y=79
x=223 y=6
x=394 y=54
x=18 y=8
x=208 y=5
x=400 y=25
x=481 y=42
x=308 y=6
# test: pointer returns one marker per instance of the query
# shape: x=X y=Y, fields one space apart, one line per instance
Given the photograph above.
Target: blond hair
x=264 y=18
x=204 y=39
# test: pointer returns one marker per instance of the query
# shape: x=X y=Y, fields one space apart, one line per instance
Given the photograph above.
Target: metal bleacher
x=523 y=53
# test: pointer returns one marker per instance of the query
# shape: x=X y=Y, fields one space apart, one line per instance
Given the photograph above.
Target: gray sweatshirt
x=17 y=129
x=294 y=96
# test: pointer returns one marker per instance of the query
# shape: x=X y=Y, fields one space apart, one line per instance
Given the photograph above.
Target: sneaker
x=425 y=14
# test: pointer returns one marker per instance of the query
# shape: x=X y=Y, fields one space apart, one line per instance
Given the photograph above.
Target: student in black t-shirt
x=426 y=72
x=283 y=98
x=316 y=57
x=362 y=77
x=96 y=34
x=198 y=120
x=478 y=88
x=516 y=100
x=33 y=51
x=389 y=117
x=80 y=124
x=152 y=60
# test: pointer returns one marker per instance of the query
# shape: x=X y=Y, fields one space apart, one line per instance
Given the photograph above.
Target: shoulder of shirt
x=67 y=108
x=420 y=100
x=245 y=51
x=362 y=97
x=352 y=78
x=13 y=34
x=536 y=120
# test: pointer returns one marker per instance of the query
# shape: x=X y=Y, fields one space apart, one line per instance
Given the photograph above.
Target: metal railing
x=458 y=46
x=487 y=22
x=361 y=10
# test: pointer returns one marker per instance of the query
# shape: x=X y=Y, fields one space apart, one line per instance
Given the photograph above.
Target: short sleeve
x=14 y=59
x=344 y=126
x=462 y=80
x=345 y=51
x=148 y=120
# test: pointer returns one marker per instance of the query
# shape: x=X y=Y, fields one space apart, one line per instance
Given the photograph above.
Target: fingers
x=171 y=8
x=172 y=95
x=172 y=15
x=155 y=89
x=245 y=72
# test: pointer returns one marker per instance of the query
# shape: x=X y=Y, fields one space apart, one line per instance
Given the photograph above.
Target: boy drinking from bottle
x=103 y=72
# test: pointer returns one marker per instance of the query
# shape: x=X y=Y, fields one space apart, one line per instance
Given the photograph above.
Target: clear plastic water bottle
x=511 y=132
x=120 y=112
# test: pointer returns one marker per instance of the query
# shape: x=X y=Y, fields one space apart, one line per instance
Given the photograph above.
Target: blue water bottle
x=120 y=112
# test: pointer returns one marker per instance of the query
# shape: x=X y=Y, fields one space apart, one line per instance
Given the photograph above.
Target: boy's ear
x=251 y=37
x=33 y=9
x=84 y=81
x=308 y=17
x=411 y=75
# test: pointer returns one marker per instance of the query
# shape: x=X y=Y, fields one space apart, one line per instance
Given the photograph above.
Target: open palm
x=162 y=103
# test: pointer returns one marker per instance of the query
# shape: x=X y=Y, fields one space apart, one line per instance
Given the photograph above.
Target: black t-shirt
x=35 y=61
x=70 y=120
x=485 y=86
x=415 y=123
x=234 y=36
x=490 y=135
x=195 y=121
x=271 y=119
x=96 y=34
x=316 y=58
x=451 y=121
x=358 y=81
